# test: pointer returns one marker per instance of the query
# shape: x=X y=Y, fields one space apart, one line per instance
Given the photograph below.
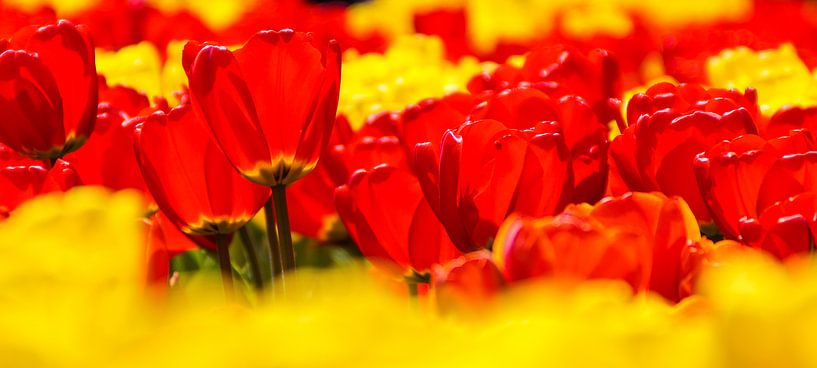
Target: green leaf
x=193 y=260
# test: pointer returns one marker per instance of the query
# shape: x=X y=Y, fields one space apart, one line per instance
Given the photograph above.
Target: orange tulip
x=467 y=282
x=640 y=238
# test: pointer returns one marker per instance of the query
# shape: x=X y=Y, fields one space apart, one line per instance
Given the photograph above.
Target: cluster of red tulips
x=517 y=177
x=210 y=163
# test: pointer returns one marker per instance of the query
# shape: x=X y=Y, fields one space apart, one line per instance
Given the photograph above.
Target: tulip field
x=395 y=183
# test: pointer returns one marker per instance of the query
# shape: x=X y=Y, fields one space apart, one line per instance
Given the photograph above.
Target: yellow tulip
x=778 y=75
x=140 y=67
x=412 y=69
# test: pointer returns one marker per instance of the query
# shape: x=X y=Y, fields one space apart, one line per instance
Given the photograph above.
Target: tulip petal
x=30 y=106
x=676 y=147
x=222 y=99
x=108 y=158
x=294 y=82
x=189 y=177
x=23 y=182
x=730 y=175
x=428 y=242
x=587 y=140
x=518 y=108
x=465 y=282
x=429 y=119
x=66 y=50
x=791 y=175
x=410 y=238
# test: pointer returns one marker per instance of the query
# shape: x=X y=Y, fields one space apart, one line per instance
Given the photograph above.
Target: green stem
x=413 y=289
x=284 y=234
x=413 y=282
x=223 y=248
x=272 y=235
x=252 y=257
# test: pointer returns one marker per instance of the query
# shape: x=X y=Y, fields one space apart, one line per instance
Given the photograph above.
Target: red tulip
x=450 y=25
x=108 y=158
x=312 y=208
x=48 y=90
x=467 y=282
x=10 y=158
x=585 y=136
x=685 y=52
x=386 y=214
x=124 y=101
x=189 y=177
x=157 y=259
x=785 y=228
x=365 y=152
x=736 y=179
x=790 y=118
x=763 y=192
x=270 y=104
x=427 y=120
x=486 y=171
x=561 y=71
x=23 y=181
x=632 y=51
x=769 y=24
x=668 y=126
x=13 y=18
x=165 y=241
x=684 y=99
x=311 y=201
x=325 y=20
x=115 y=24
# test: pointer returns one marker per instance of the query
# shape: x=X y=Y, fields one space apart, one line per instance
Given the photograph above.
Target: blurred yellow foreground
x=71 y=294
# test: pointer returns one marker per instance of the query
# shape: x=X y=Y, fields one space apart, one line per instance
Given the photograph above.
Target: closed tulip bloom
x=189 y=178
x=10 y=158
x=48 y=90
x=672 y=233
x=790 y=118
x=784 y=229
x=270 y=104
x=561 y=71
x=762 y=192
x=573 y=247
x=409 y=238
x=486 y=171
x=108 y=158
x=312 y=208
x=467 y=282
x=646 y=239
x=428 y=120
x=22 y=181
x=165 y=241
x=586 y=137
x=668 y=126
x=736 y=179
